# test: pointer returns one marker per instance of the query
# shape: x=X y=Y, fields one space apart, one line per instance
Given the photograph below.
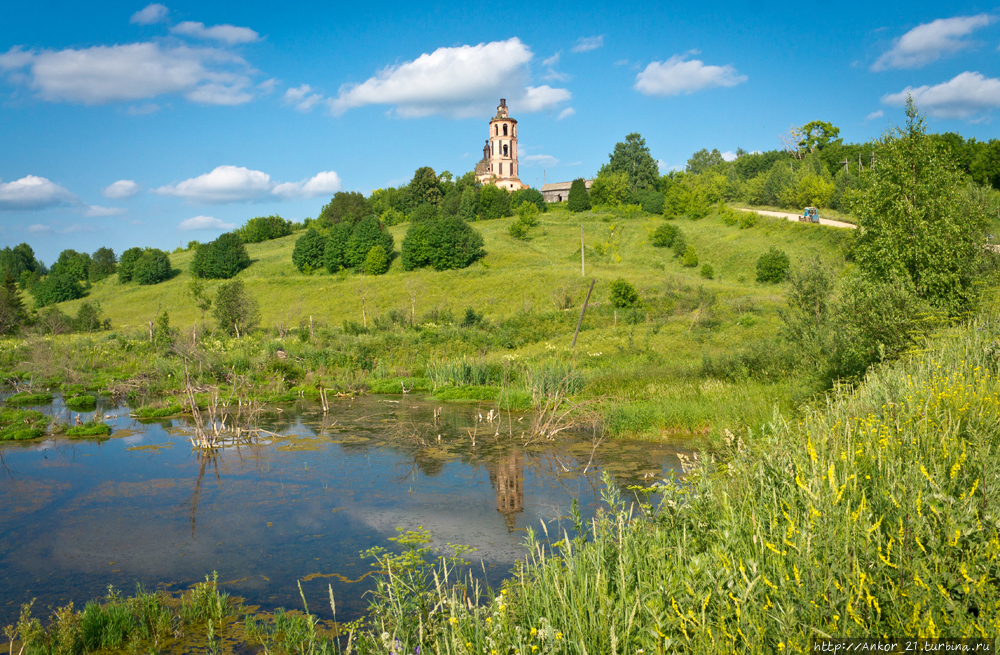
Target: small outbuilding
x=559 y=191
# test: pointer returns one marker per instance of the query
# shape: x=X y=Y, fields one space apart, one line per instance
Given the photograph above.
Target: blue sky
x=124 y=124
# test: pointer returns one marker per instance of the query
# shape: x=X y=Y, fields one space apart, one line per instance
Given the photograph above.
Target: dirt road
x=795 y=217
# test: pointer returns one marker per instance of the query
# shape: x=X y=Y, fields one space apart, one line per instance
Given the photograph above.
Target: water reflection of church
x=507 y=478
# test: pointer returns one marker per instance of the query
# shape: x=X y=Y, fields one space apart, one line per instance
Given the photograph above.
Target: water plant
x=29 y=398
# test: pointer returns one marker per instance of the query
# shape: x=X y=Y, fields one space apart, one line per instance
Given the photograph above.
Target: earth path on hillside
x=795 y=217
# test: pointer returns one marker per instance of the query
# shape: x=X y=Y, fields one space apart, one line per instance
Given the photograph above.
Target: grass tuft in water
x=27 y=398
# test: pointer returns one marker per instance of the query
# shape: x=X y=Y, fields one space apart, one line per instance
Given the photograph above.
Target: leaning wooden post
x=582 y=312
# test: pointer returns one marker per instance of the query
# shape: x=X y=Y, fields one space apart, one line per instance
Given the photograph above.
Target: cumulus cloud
x=143 y=109
x=204 y=223
x=33 y=192
x=321 y=184
x=459 y=82
x=228 y=34
x=94 y=211
x=566 y=113
x=120 y=190
x=551 y=61
x=678 y=75
x=928 y=42
x=303 y=98
x=229 y=184
x=585 y=44
x=135 y=71
x=153 y=13
x=875 y=114
x=729 y=155
x=968 y=95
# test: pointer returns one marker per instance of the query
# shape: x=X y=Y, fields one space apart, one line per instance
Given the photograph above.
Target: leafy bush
x=74 y=264
x=518 y=230
x=88 y=318
x=265 y=228
x=424 y=211
x=664 y=235
x=334 y=253
x=367 y=234
x=221 y=259
x=152 y=267
x=468 y=209
x=748 y=219
x=579 y=199
x=623 y=294
x=127 y=262
x=345 y=206
x=441 y=243
x=651 y=202
x=528 y=195
x=772 y=266
x=494 y=202
x=103 y=264
x=309 y=251
x=57 y=288
x=707 y=272
x=609 y=188
x=376 y=261
x=679 y=246
x=235 y=309
x=690 y=258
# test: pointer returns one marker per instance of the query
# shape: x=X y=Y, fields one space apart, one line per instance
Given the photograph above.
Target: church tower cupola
x=499 y=165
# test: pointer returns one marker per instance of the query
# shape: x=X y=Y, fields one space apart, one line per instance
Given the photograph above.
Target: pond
x=143 y=506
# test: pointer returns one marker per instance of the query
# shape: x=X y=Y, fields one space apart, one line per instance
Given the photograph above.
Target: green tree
x=528 y=194
x=441 y=243
x=707 y=272
x=236 y=310
x=265 y=228
x=623 y=294
x=152 y=267
x=12 y=313
x=201 y=299
x=425 y=187
x=664 y=235
x=376 y=261
x=307 y=256
x=17 y=260
x=469 y=209
x=494 y=202
x=817 y=134
x=579 y=199
x=72 y=263
x=703 y=160
x=103 y=264
x=811 y=311
x=349 y=206
x=221 y=259
x=914 y=219
x=57 y=287
x=772 y=266
x=610 y=189
x=127 y=263
x=690 y=257
x=88 y=318
x=367 y=234
x=335 y=250
x=632 y=158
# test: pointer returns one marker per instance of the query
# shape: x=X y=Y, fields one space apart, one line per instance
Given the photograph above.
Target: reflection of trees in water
x=204 y=459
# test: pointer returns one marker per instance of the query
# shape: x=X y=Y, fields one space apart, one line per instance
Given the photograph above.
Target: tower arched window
x=505 y=150
x=505 y=129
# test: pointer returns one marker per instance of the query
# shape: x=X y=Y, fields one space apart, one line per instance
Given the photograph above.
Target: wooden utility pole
x=582 y=312
x=583 y=261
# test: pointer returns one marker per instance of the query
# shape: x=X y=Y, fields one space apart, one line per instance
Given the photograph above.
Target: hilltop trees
x=494 y=202
x=220 y=259
x=349 y=206
x=264 y=228
x=103 y=264
x=633 y=159
x=308 y=253
x=441 y=243
x=367 y=234
x=152 y=267
x=127 y=262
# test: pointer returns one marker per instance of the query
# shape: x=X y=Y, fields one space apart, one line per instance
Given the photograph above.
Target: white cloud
x=224 y=184
x=228 y=34
x=303 y=98
x=267 y=86
x=120 y=190
x=666 y=168
x=321 y=184
x=566 y=113
x=94 y=211
x=38 y=228
x=143 y=109
x=964 y=96
x=153 y=13
x=540 y=160
x=551 y=61
x=33 y=192
x=204 y=223
x=676 y=76
x=135 y=71
x=229 y=184
x=729 y=155
x=459 y=82
x=585 y=44
x=75 y=228
x=928 y=42
x=875 y=114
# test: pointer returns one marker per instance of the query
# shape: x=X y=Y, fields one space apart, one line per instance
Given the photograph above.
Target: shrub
x=152 y=267
x=748 y=219
x=309 y=251
x=651 y=201
x=56 y=288
x=609 y=188
x=494 y=202
x=441 y=243
x=88 y=318
x=623 y=294
x=690 y=258
x=468 y=209
x=265 y=228
x=664 y=235
x=221 y=259
x=334 y=253
x=528 y=195
x=579 y=199
x=392 y=217
x=376 y=261
x=679 y=246
x=103 y=264
x=518 y=230
x=707 y=272
x=424 y=211
x=345 y=206
x=367 y=234
x=772 y=266
x=235 y=309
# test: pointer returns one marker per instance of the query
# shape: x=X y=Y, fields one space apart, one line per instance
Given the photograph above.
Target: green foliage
x=148 y=411
x=345 y=206
x=18 y=260
x=89 y=429
x=441 y=243
x=72 y=264
x=425 y=187
x=468 y=210
x=816 y=134
x=579 y=199
x=88 y=318
x=622 y=294
x=264 y=228
x=664 y=235
x=690 y=257
x=772 y=266
x=335 y=250
x=221 y=259
x=610 y=189
x=126 y=264
x=103 y=264
x=747 y=219
x=651 y=202
x=519 y=230
x=392 y=217
x=703 y=160
x=23 y=398
x=152 y=267
x=707 y=272
x=12 y=312
x=528 y=195
x=235 y=309
x=196 y=289
x=633 y=159
x=22 y=424
x=425 y=211
x=81 y=403
x=367 y=234
x=914 y=220
x=55 y=288
x=376 y=261
x=310 y=248
x=494 y=202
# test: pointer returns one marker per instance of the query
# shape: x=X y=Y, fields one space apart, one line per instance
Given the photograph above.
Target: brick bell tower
x=499 y=163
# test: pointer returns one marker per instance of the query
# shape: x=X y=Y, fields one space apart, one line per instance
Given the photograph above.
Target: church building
x=499 y=163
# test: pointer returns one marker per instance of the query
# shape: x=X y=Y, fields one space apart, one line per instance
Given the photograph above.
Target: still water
x=78 y=515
